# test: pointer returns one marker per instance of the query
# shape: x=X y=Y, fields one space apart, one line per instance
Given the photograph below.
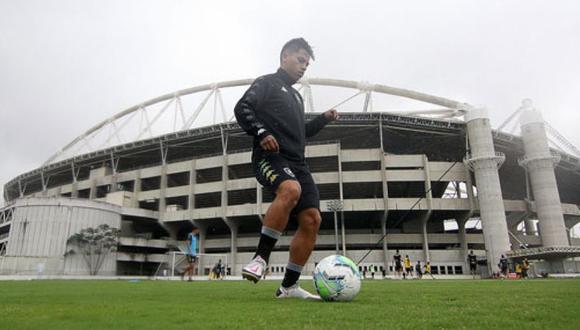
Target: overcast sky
x=67 y=65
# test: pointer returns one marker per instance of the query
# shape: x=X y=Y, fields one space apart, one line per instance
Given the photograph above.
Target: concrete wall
x=40 y=229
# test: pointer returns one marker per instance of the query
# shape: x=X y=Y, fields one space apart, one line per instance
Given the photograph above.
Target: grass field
x=240 y=305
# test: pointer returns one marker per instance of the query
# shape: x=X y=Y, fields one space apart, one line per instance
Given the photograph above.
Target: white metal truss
x=556 y=140
x=191 y=106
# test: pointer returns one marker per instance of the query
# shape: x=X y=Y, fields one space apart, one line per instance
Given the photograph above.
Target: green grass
x=240 y=305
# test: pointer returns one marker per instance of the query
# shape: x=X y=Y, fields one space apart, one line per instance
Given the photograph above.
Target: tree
x=94 y=244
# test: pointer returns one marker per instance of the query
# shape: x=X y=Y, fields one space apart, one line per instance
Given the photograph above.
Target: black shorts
x=472 y=266
x=271 y=169
x=191 y=258
x=398 y=267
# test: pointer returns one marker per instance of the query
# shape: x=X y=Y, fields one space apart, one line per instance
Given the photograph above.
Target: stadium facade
x=433 y=188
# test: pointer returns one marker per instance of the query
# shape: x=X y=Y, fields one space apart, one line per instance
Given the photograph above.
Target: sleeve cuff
x=262 y=133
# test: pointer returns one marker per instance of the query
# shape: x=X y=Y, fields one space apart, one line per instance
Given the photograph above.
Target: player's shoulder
x=265 y=78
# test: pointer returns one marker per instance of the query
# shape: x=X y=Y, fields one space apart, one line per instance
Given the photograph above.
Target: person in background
x=472 y=259
x=408 y=267
x=191 y=253
x=418 y=270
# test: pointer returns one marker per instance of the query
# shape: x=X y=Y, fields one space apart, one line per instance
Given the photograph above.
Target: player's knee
x=289 y=192
x=311 y=221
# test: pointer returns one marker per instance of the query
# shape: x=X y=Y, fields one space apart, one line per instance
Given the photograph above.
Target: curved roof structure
x=168 y=113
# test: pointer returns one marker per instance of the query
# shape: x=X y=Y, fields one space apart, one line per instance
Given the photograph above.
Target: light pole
x=335 y=206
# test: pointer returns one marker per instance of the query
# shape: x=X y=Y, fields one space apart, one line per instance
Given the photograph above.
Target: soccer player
x=191 y=253
x=518 y=270
x=418 y=270
x=398 y=264
x=408 y=267
x=472 y=258
x=525 y=267
x=428 y=269
x=503 y=266
x=272 y=111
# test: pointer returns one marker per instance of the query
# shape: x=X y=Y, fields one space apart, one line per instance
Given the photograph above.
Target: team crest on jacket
x=289 y=172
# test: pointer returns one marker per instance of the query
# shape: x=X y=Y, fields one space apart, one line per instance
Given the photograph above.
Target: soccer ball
x=337 y=278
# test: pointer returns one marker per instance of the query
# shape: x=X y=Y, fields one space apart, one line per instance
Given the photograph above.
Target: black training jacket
x=272 y=107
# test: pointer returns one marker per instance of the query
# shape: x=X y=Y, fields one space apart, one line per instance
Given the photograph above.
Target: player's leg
x=274 y=223
x=309 y=219
x=271 y=172
x=300 y=249
x=190 y=269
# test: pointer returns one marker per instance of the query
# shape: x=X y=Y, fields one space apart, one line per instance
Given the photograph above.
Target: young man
x=472 y=258
x=191 y=253
x=272 y=111
x=398 y=264
x=525 y=267
x=418 y=270
x=408 y=267
x=428 y=270
x=503 y=266
x=518 y=268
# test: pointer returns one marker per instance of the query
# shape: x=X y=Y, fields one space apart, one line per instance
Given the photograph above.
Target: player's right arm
x=246 y=114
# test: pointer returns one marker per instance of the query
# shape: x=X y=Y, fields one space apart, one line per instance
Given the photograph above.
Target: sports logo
x=289 y=172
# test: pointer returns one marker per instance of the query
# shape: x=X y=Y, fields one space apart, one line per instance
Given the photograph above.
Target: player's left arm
x=315 y=125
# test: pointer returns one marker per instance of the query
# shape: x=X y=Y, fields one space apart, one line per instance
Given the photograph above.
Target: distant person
x=518 y=270
x=408 y=267
x=525 y=268
x=503 y=266
x=217 y=270
x=191 y=253
x=428 y=269
x=472 y=259
x=418 y=271
x=398 y=264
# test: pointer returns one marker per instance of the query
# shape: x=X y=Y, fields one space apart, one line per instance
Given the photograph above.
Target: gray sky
x=67 y=65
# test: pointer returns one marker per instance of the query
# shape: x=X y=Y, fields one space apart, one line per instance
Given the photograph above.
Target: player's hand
x=331 y=114
x=269 y=143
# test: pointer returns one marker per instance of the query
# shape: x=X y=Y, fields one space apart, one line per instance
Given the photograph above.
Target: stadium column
x=74 y=190
x=484 y=162
x=192 y=183
x=381 y=154
x=259 y=198
x=163 y=189
x=93 y=186
x=20 y=190
x=463 y=218
x=529 y=224
x=232 y=225
x=114 y=175
x=136 y=189
x=163 y=184
x=540 y=163
x=427 y=215
x=44 y=182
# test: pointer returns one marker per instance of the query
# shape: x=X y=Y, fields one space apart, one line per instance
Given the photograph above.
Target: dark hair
x=295 y=45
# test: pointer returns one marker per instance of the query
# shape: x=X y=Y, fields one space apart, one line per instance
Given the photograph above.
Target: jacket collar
x=285 y=77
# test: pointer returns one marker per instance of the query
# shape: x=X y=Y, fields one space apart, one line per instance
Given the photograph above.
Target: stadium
x=430 y=182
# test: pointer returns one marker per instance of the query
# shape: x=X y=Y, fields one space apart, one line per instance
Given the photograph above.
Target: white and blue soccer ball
x=337 y=278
